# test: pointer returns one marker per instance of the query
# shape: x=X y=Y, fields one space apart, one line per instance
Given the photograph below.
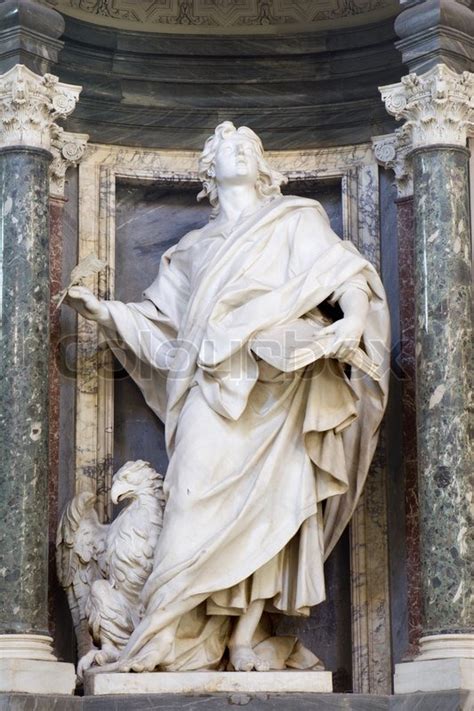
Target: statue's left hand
x=347 y=333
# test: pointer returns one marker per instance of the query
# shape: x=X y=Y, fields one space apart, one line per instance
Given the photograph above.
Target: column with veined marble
x=438 y=109
x=30 y=104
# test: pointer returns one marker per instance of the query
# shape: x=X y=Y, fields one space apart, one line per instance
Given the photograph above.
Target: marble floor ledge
x=440 y=701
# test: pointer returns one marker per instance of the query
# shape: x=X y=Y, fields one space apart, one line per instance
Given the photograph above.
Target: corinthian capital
x=67 y=149
x=438 y=106
x=391 y=151
x=30 y=105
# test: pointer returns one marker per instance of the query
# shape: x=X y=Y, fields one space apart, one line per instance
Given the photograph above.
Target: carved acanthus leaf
x=67 y=149
x=391 y=151
x=438 y=106
x=30 y=105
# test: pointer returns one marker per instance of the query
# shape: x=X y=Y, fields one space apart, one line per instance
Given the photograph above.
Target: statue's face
x=236 y=162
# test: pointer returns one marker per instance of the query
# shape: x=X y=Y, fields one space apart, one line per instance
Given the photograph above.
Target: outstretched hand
x=347 y=333
x=87 y=304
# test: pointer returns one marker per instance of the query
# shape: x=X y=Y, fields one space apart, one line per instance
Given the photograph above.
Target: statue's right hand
x=87 y=304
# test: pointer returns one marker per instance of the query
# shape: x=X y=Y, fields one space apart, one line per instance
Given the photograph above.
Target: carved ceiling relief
x=217 y=14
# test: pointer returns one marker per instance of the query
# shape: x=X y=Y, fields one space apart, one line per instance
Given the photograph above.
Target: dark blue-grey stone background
x=150 y=218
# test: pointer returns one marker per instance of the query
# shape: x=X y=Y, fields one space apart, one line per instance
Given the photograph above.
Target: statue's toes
x=246 y=661
x=246 y=666
x=148 y=662
x=86 y=662
x=261 y=665
x=102 y=658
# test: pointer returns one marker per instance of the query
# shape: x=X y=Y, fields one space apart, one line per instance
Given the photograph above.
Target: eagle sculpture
x=103 y=567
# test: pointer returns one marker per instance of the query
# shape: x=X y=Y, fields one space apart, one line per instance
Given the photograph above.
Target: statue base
x=208 y=682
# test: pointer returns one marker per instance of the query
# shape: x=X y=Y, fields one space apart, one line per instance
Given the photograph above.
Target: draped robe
x=253 y=451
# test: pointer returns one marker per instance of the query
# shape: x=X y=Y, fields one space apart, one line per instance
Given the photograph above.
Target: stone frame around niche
x=357 y=169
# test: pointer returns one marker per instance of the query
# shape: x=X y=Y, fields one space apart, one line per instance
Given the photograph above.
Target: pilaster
x=392 y=152
x=438 y=108
x=30 y=105
x=67 y=150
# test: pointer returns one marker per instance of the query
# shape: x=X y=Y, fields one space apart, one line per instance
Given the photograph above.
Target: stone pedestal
x=439 y=109
x=434 y=675
x=208 y=682
x=29 y=105
x=36 y=677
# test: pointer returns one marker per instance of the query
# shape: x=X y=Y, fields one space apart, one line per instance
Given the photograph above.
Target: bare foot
x=147 y=662
x=96 y=658
x=106 y=655
x=85 y=662
x=243 y=658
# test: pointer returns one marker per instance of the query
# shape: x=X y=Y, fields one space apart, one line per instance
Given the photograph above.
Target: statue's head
x=235 y=155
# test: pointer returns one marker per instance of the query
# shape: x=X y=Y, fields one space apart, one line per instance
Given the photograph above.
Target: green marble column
x=439 y=110
x=29 y=135
x=444 y=382
x=24 y=351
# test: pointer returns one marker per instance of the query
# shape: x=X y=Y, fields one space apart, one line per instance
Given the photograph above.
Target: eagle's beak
x=120 y=491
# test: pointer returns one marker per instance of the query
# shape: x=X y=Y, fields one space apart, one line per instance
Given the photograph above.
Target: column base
x=446 y=646
x=30 y=676
x=28 y=665
x=434 y=675
x=27 y=646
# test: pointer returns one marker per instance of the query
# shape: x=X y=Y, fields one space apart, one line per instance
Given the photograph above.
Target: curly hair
x=268 y=180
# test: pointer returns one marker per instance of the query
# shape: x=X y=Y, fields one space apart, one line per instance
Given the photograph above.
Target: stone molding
x=30 y=105
x=438 y=106
x=67 y=149
x=27 y=646
x=436 y=31
x=447 y=646
x=391 y=151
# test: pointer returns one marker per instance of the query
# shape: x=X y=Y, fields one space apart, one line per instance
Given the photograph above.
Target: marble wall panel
x=149 y=219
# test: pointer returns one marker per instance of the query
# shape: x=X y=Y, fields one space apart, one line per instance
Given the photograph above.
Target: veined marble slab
x=208 y=682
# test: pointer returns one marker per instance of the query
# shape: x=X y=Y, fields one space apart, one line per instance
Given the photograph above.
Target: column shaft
x=24 y=390
x=444 y=368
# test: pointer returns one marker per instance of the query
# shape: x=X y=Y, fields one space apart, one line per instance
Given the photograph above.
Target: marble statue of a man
x=269 y=439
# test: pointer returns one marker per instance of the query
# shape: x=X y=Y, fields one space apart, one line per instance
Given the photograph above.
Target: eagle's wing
x=80 y=545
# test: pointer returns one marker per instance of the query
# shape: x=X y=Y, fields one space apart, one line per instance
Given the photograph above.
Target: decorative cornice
x=30 y=105
x=438 y=106
x=67 y=149
x=262 y=16
x=391 y=151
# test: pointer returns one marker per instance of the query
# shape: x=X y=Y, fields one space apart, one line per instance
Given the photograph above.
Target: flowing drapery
x=254 y=452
